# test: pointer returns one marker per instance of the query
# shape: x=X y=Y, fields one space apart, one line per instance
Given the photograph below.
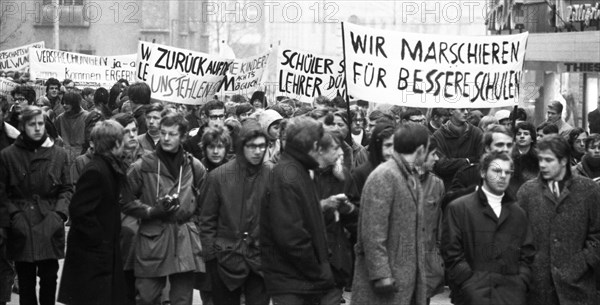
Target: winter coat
x=71 y=127
x=567 y=239
x=339 y=225
x=36 y=188
x=293 y=242
x=172 y=245
x=139 y=113
x=487 y=257
x=455 y=148
x=361 y=173
x=79 y=164
x=230 y=202
x=391 y=236
x=359 y=155
x=93 y=270
x=433 y=192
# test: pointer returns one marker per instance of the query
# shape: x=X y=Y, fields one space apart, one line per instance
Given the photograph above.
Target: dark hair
x=4 y=105
x=439 y=112
x=215 y=135
x=556 y=105
x=302 y=132
x=410 y=112
x=558 y=146
x=139 y=93
x=362 y=103
x=381 y=131
x=154 y=107
x=124 y=81
x=574 y=134
x=87 y=91
x=409 y=137
x=212 y=105
x=488 y=135
x=101 y=96
x=74 y=100
x=115 y=90
x=376 y=115
x=239 y=99
x=529 y=127
x=547 y=128
x=52 y=82
x=67 y=81
x=593 y=138
x=173 y=119
x=519 y=115
x=243 y=108
x=27 y=92
x=323 y=100
x=488 y=159
x=339 y=102
x=124 y=119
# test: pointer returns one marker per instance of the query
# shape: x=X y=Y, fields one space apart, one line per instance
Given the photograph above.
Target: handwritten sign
x=245 y=75
x=419 y=70
x=85 y=70
x=305 y=76
x=17 y=59
x=179 y=75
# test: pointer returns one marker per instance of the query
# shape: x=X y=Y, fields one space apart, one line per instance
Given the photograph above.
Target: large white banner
x=304 y=76
x=17 y=59
x=179 y=75
x=420 y=70
x=245 y=75
x=85 y=70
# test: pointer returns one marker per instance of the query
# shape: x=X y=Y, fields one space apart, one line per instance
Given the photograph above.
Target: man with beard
x=231 y=199
x=564 y=215
x=161 y=191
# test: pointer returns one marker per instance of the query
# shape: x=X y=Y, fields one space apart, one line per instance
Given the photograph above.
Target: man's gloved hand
x=385 y=286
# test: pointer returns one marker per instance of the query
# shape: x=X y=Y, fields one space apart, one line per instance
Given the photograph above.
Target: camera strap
x=158 y=180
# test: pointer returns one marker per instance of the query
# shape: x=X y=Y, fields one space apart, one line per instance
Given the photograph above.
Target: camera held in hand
x=169 y=202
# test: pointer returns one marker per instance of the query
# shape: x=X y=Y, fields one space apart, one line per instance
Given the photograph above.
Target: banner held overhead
x=17 y=59
x=421 y=70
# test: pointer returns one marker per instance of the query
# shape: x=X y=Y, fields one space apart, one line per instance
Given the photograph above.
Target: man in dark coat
x=390 y=252
x=139 y=96
x=458 y=143
x=564 y=214
x=35 y=190
x=229 y=222
x=487 y=244
x=93 y=270
x=594 y=119
x=293 y=243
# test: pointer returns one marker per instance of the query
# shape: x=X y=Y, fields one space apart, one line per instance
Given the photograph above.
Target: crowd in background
x=292 y=203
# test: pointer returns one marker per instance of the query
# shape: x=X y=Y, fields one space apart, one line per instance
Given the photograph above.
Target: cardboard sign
x=85 y=70
x=304 y=76
x=179 y=75
x=420 y=70
x=17 y=59
x=245 y=75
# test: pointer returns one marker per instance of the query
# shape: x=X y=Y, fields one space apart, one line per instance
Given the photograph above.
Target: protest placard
x=245 y=75
x=420 y=70
x=304 y=76
x=85 y=70
x=6 y=86
x=179 y=75
x=17 y=59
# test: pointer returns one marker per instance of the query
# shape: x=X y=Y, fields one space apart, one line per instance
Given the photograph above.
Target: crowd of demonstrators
x=291 y=203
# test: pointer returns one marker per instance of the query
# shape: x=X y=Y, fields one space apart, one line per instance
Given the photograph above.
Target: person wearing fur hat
x=230 y=202
x=270 y=122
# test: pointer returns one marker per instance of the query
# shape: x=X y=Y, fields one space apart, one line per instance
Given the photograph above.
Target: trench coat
x=169 y=246
x=35 y=190
x=93 y=270
x=391 y=236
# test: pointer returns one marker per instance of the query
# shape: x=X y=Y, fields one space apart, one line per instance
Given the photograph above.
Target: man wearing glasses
x=487 y=243
x=214 y=113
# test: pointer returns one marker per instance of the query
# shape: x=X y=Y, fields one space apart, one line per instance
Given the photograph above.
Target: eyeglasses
x=216 y=117
x=260 y=147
